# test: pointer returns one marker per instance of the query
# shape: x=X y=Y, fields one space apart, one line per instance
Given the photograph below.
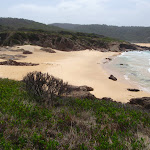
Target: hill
x=65 y=41
x=5 y=28
x=15 y=31
x=131 y=34
x=22 y=24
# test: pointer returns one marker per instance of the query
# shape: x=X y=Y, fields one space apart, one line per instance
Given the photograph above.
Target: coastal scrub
x=69 y=123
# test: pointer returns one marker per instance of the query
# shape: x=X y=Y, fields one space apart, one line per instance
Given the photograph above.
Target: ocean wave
x=126 y=77
x=122 y=54
x=144 y=89
x=138 y=69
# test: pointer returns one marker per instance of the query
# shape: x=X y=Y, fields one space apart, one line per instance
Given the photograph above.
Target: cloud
x=112 y=12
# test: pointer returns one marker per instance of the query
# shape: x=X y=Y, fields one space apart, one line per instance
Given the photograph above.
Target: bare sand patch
x=143 y=44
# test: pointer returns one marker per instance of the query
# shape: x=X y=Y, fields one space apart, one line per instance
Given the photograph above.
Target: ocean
x=134 y=66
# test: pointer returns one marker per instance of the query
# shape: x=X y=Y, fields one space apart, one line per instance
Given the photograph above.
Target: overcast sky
x=110 y=12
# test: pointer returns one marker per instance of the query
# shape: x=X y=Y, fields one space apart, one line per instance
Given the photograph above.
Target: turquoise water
x=135 y=68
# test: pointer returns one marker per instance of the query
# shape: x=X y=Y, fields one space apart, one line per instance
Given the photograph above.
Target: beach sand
x=143 y=44
x=76 y=68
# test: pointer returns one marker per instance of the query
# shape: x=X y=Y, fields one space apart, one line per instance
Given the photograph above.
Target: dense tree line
x=131 y=34
x=21 y=24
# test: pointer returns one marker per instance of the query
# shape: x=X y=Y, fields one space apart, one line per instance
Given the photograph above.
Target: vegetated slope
x=22 y=24
x=4 y=28
x=69 y=123
x=131 y=34
x=63 y=40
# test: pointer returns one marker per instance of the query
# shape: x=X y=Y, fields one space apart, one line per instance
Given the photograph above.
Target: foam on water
x=126 y=77
x=136 y=67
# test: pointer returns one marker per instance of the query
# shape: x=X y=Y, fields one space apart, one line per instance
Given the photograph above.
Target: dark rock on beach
x=27 y=52
x=133 y=90
x=15 y=63
x=49 y=50
x=80 y=92
x=108 y=59
x=80 y=88
x=107 y=99
x=143 y=102
x=113 y=78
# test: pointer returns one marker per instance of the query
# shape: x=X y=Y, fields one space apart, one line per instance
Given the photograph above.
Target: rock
x=49 y=50
x=123 y=65
x=143 y=102
x=79 y=88
x=14 y=63
x=108 y=59
x=133 y=90
x=113 y=78
x=86 y=88
x=27 y=52
x=107 y=99
x=128 y=46
x=80 y=92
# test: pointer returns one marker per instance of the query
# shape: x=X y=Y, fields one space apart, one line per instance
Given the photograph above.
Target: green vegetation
x=4 y=28
x=62 y=40
x=24 y=24
x=15 y=31
x=69 y=123
x=131 y=34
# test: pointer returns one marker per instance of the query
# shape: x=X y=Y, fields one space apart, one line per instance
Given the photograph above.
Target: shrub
x=44 y=87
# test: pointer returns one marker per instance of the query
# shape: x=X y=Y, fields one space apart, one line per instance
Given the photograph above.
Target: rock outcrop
x=27 y=52
x=15 y=63
x=133 y=90
x=143 y=102
x=113 y=78
x=49 y=50
x=80 y=92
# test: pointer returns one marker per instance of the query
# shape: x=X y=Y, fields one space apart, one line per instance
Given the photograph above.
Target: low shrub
x=44 y=87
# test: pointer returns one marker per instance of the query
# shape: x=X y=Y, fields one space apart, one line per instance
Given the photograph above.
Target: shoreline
x=77 y=68
x=121 y=77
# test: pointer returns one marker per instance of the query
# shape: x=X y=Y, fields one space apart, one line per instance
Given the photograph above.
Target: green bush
x=45 y=88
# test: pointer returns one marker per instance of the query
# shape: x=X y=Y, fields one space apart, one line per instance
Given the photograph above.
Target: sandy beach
x=76 y=68
x=143 y=44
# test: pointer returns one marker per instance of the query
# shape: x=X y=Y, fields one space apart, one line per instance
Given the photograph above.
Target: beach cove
x=76 y=67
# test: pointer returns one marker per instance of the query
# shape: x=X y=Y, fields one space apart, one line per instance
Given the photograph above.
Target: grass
x=69 y=124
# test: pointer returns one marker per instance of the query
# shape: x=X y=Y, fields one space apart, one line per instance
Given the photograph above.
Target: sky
x=110 y=12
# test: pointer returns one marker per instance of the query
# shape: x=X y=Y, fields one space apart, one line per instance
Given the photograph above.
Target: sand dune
x=77 y=68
